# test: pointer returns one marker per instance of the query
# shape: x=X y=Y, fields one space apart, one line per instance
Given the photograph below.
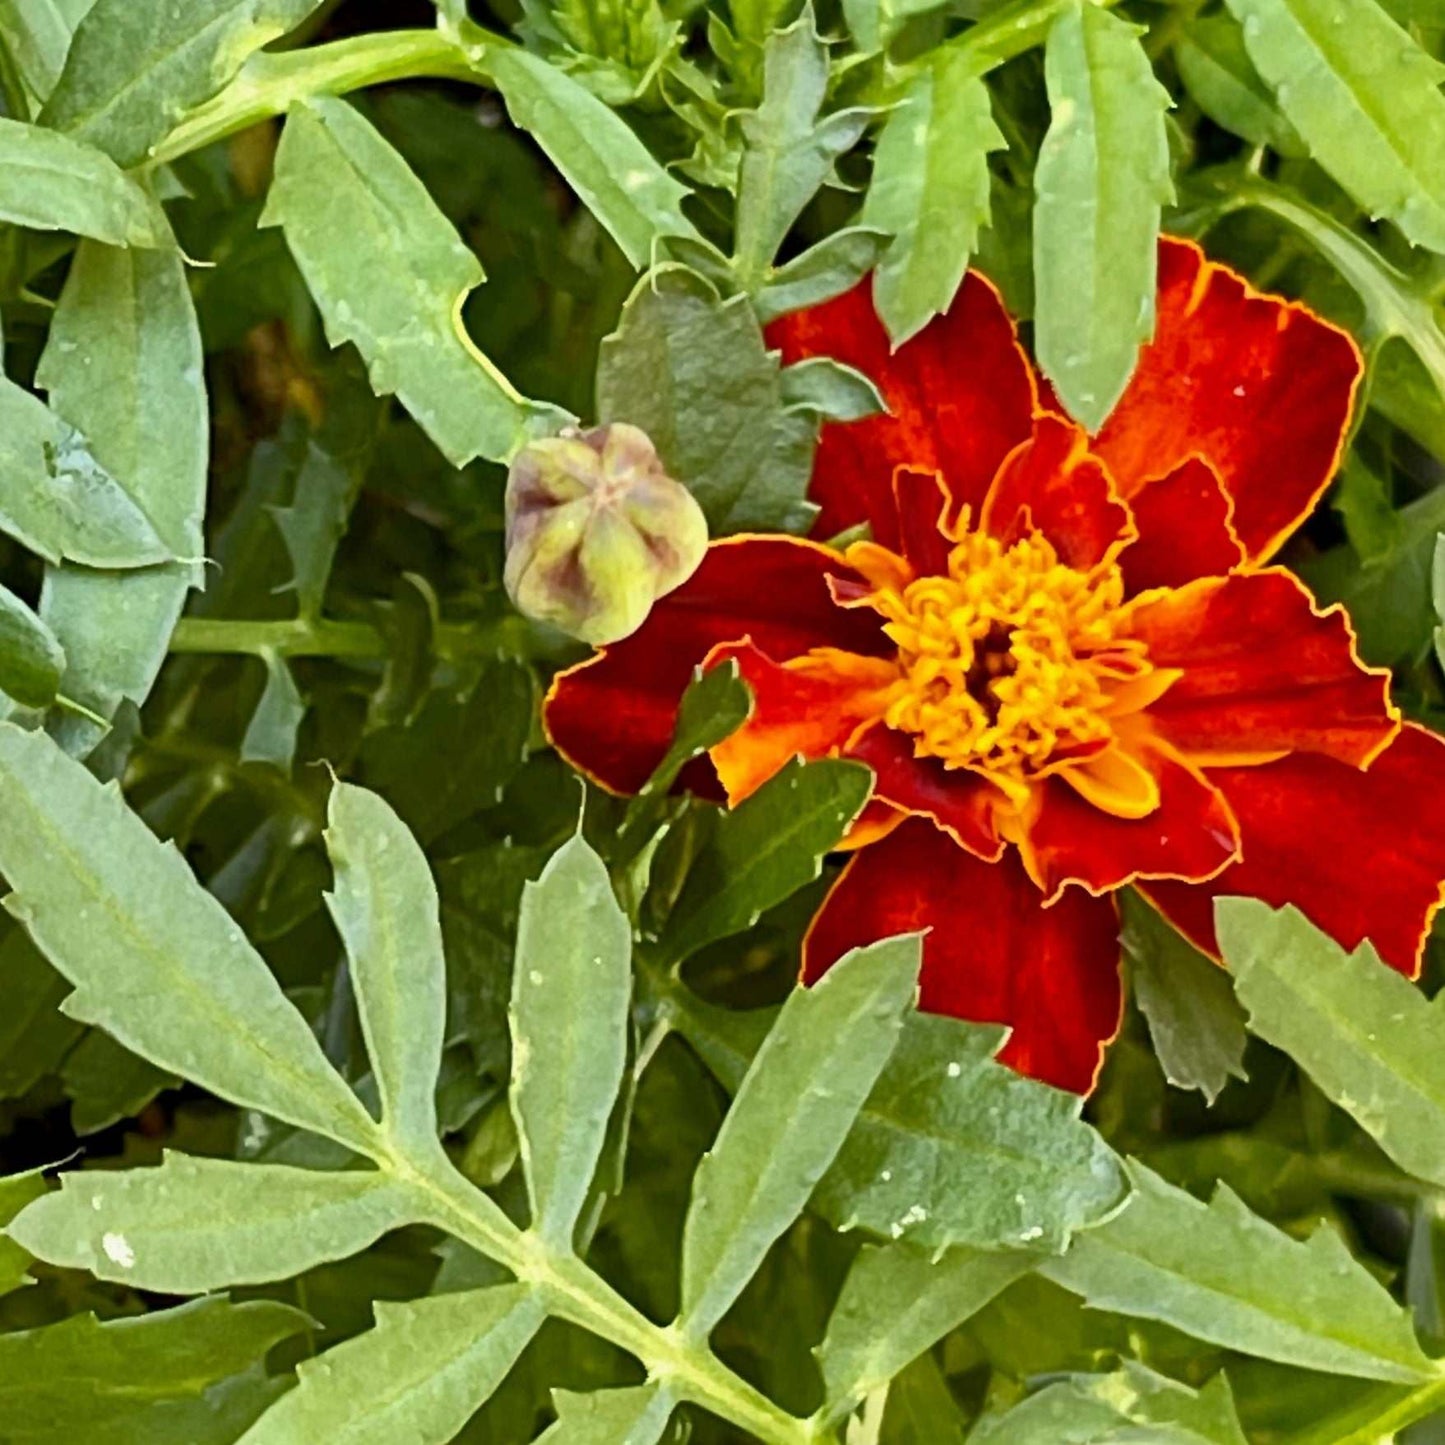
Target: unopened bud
x=597 y=531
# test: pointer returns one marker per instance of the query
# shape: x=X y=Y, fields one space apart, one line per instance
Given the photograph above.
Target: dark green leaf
x=16 y=1191
x=31 y=660
x=314 y=523
x=1216 y=70
x=920 y=1408
x=836 y=264
x=831 y=390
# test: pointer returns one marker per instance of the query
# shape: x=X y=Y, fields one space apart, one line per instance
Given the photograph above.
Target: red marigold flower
x=1065 y=657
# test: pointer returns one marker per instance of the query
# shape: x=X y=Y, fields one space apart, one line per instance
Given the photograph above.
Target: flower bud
x=597 y=531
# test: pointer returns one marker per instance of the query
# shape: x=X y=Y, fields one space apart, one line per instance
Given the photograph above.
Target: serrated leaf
x=1101 y=178
x=835 y=265
x=16 y=1191
x=764 y=850
x=136 y=66
x=789 y=151
x=1194 y=1018
x=615 y=175
x=896 y=1302
x=271 y=734
x=390 y=273
x=695 y=374
x=194 y=1225
x=417 y=1376
x=123 y=365
x=1217 y=72
x=1364 y=1033
x=1364 y=97
x=1222 y=1274
x=385 y=907
x=31 y=659
x=154 y=958
x=37 y=34
x=60 y=1381
x=106 y=1083
x=788 y=1120
x=930 y=190
x=313 y=525
x=569 y=1012
x=636 y=1416
x=831 y=390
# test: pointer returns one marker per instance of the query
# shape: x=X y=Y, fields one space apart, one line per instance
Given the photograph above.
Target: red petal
x=993 y=954
x=1362 y=854
x=1053 y=484
x=1260 y=387
x=1191 y=834
x=1263 y=673
x=960 y=802
x=1186 y=530
x=960 y=395
x=923 y=504
x=612 y=717
x=813 y=707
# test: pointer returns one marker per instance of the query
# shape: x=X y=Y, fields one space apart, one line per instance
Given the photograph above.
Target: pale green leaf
x=136 y=66
x=1194 y=1018
x=31 y=660
x=154 y=958
x=637 y=1416
x=930 y=190
x=895 y=1303
x=1222 y=1274
x=271 y=734
x=836 y=264
x=385 y=907
x=418 y=1376
x=791 y=1114
x=390 y=274
x=1364 y=97
x=569 y=1015
x=37 y=36
x=764 y=850
x=194 y=1225
x=1364 y=1033
x=1102 y=176
x=615 y=175
x=124 y=366
x=1217 y=72
x=16 y=1191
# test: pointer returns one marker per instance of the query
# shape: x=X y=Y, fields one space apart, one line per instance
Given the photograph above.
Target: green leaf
x=930 y=190
x=314 y=524
x=36 y=35
x=789 y=152
x=16 y=1191
x=194 y=1225
x=695 y=374
x=1223 y=1274
x=1194 y=1018
x=271 y=734
x=831 y=390
x=155 y=960
x=1102 y=176
x=57 y=500
x=836 y=264
x=764 y=850
x=1364 y=97
x=390 y=274
x=919 y=1408
x=636 y=1416
x=1133 y=1403
x=124 y=366
x=569 y=1014
x=136 y=66
x=1216 y=70
x=896 y=1302
x=602 y=160
x=418 y=1376
x=51 y=182
x=31 y=660
x=59 y=1382
x=953 y=1148
x=1365 y=1034
x=385 y=907
x=791 y=1114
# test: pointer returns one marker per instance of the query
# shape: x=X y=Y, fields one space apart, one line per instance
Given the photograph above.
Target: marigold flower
x=1065 y=658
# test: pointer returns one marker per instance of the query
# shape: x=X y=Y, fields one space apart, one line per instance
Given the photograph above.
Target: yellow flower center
x=1010 y=663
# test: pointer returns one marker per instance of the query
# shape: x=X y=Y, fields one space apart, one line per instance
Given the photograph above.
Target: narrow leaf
x=764 y=850
x=1223 y=1274
x=31 y=659
x=835 y=265
x=930 y=190
x=390 y=274
x=385 y=907
x=194 y=1225
x=569 y=1015
x=1364 y=1033
x=136 y=66
x=37 y=34
x=417 y=1376
x=271 y=734
x=636 y=1416
x=615 y=175
x=791 y=1114
x=1364 y=97
x=1102 y=176
x=154 y=958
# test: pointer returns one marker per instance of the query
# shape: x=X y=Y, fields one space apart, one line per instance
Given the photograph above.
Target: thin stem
x=1419 y=1404
x=323 y=637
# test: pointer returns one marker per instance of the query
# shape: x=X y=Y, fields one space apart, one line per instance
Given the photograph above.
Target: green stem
x=1422 y=1402
x=323 y=637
